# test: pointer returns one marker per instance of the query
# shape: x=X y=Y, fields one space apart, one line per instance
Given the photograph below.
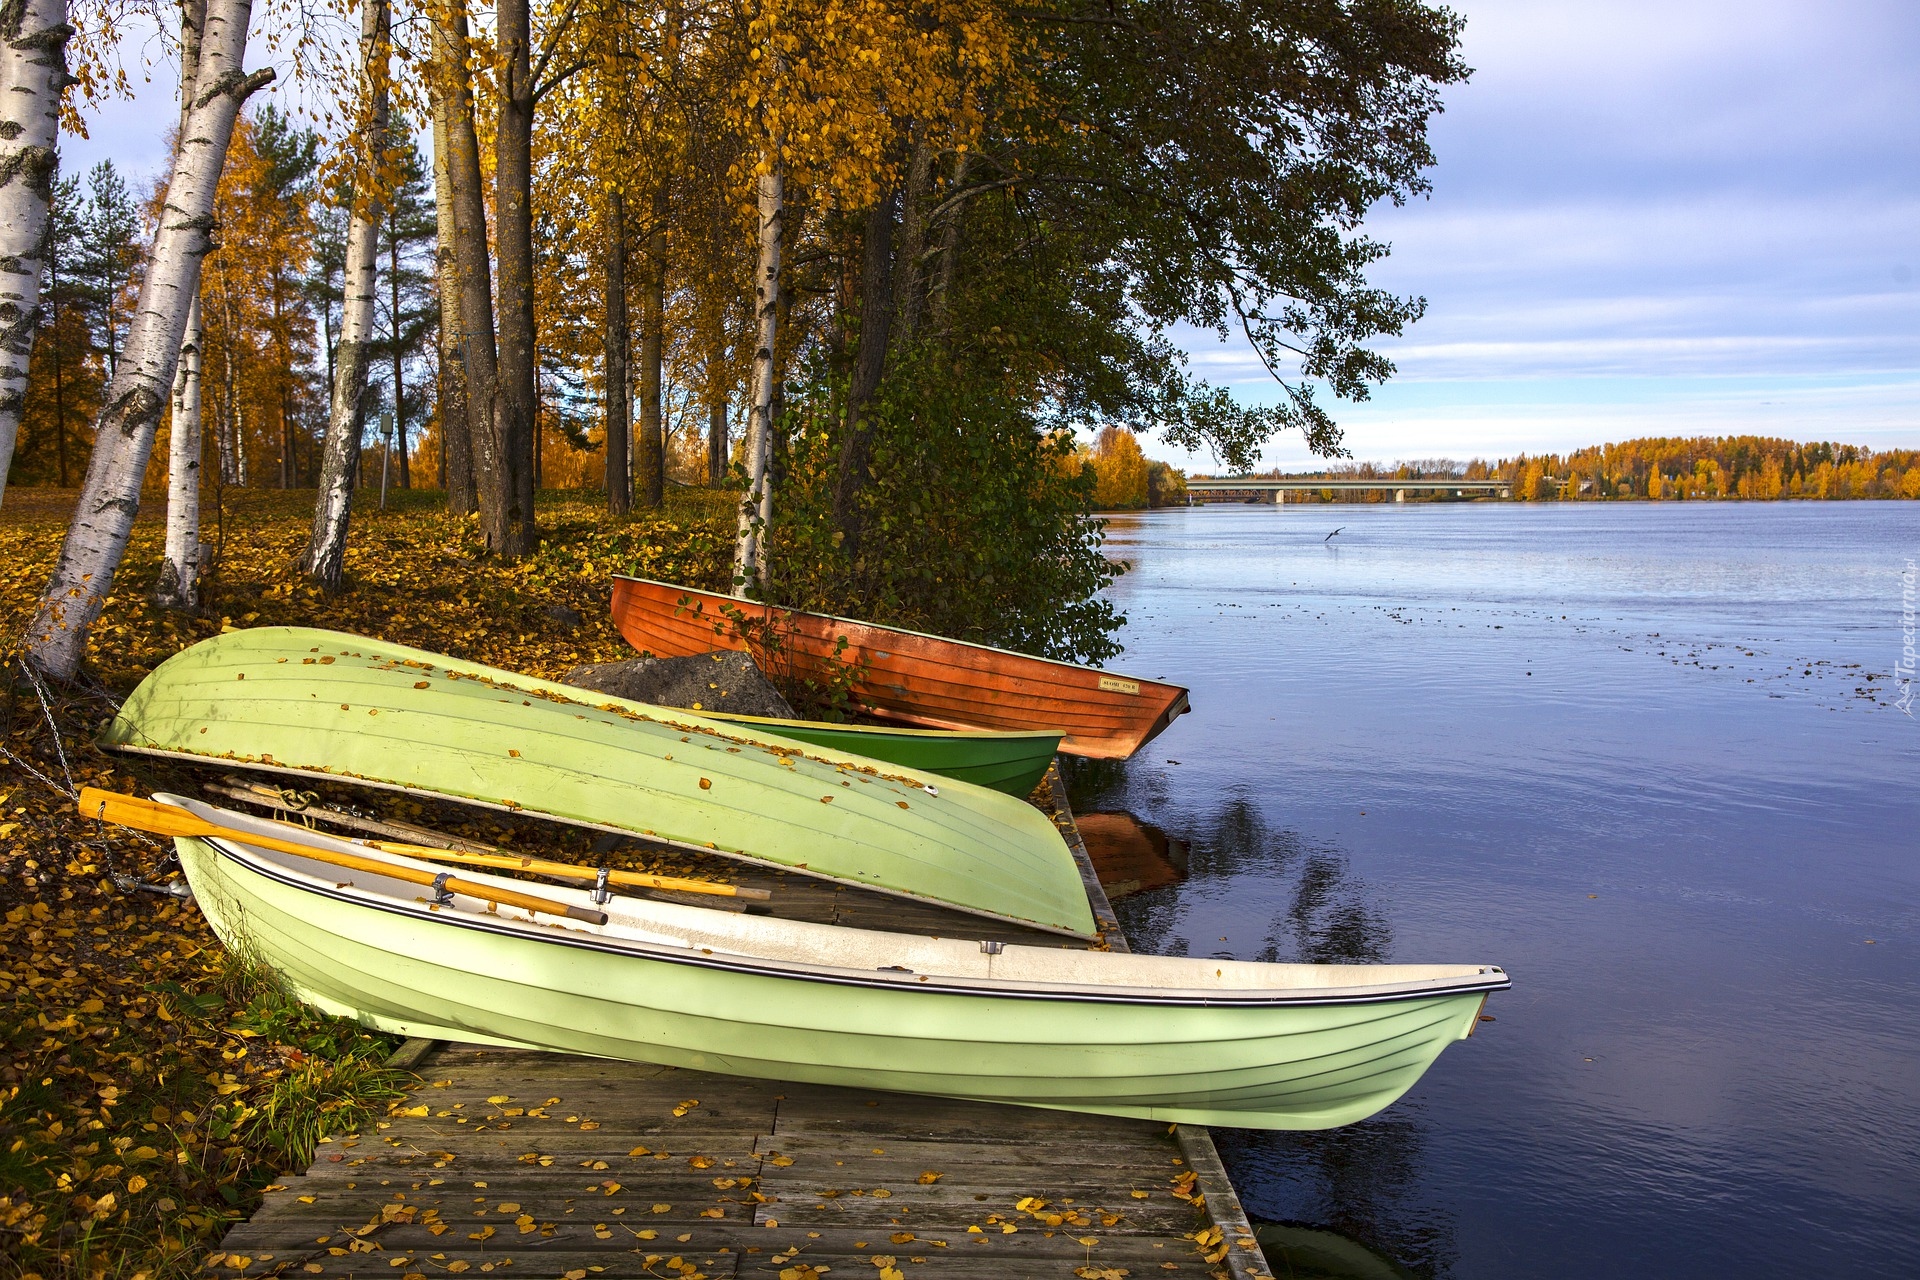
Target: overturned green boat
x=1012 y=761
x=301 y=701
x=1171 y=1038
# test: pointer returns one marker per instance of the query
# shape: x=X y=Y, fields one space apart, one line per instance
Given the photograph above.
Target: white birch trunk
x=33 y=73
x=124 y=431
x=327 y=549
x=179 y=585
x=756 y=505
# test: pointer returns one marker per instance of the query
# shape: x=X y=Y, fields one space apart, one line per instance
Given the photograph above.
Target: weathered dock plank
x=514 y=1163
x=625 y=1168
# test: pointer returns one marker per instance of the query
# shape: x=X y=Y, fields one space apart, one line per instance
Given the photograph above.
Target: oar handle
x=169 y=820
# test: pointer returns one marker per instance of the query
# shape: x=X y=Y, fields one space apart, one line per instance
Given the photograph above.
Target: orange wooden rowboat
x=905 y=676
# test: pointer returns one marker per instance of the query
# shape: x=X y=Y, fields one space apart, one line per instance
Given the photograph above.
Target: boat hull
x=1009 y=762
x=916 y=679
x=461 y=974
x=307 y=702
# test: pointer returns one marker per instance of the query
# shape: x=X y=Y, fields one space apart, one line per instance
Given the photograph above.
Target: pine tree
x=63 y=384
x=106 y=263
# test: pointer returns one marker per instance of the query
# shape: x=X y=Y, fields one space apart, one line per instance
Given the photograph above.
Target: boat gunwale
x=543 y=815
x=1488 y=979
x=967 y=734
x=922 y=635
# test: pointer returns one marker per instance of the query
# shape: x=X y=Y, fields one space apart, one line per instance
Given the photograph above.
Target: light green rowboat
x=1012 y=761
x=1167 y=1038
x=302 y=701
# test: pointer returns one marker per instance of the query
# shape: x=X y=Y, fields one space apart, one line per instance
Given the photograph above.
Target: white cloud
x=1654 y=218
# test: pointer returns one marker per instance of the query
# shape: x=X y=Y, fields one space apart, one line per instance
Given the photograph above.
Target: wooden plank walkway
x=522 y=1164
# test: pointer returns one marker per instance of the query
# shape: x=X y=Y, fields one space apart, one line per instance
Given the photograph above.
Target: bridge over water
x=1232 y=489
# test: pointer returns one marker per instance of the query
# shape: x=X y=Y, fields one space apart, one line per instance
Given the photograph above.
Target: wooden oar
x=167 y=820
x=566 y=870
x=475 y=854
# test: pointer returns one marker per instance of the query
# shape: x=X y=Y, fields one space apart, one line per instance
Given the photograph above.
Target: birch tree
x=756 y=504
x=33 y=70
x=124 y=431
x=347 y=416
x=179 y=583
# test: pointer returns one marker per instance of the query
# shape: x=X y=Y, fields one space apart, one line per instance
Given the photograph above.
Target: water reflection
x=1350 y=1198
x=1131 y=856
x=1321 y=912
x=1362 y=1185
x=1308 y=1253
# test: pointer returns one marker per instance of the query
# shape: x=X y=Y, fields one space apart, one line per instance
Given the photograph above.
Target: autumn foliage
x=1667 y=469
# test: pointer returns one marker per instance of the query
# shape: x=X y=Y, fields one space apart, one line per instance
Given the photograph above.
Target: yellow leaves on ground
x=929 y=1177
x=1212 y=1246
x=688 y=1105
x=135 y=1061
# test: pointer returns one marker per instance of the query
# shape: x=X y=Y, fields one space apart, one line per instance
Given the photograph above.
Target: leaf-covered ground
x=150 y=1083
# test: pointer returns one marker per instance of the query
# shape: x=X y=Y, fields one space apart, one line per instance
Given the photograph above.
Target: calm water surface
x=1645 y=757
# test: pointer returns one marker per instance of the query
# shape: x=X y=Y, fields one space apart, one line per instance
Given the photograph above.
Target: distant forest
x=1665 y=468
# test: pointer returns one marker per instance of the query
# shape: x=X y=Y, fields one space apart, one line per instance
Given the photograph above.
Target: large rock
x=723 y=681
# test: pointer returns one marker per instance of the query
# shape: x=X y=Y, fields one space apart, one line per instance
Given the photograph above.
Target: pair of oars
x=170 y=820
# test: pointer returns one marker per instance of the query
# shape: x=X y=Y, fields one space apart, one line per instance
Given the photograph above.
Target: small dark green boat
x=1012 y=761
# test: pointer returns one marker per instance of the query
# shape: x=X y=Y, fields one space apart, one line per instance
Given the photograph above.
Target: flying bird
x=1329 y=537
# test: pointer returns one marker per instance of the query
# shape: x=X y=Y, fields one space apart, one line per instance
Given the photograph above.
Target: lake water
x=1645 y=757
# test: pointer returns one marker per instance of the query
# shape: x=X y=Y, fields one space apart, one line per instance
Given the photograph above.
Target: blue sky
x=1680 y=217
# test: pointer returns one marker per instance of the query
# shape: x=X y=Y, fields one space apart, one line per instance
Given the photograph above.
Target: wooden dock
x=521 y=1164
